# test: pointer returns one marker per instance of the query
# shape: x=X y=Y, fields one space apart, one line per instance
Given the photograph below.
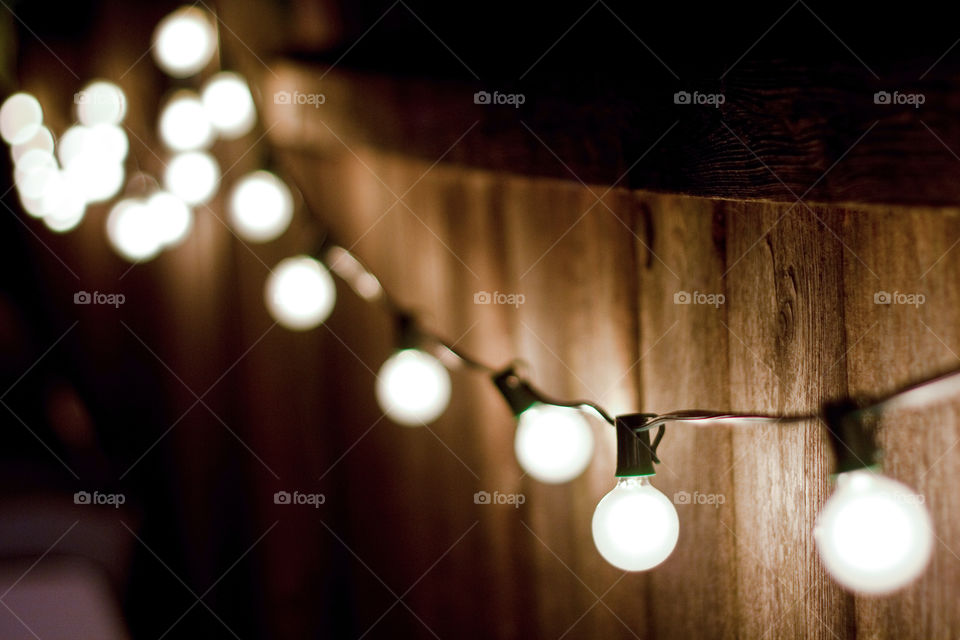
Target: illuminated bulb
x=20 y=117
x=413 y=388
x=635 y=526
x=874 y=535
x=108 y=142
x=300 y=293
x=553 y=444
x=131 y=231
x=42 y=140
x=184 y=42
x=35 y=169
x=100 y=179
x=184 y=124
x=192 y=176
x=92 y=157
x=172 y=218
x=101 y=102
x=229 y=105
x=260 y=206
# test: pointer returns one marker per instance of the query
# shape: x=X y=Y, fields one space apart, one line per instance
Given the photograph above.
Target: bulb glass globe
x=184 y=124
x=172 y=218
x=42 y=140
x=300 y=293
x=413 y=388
x=184 y=42
x=260 y=207
x=229 y=105
x=20 y=118
x=101 y=102
x=131 y=231
x=635 y=526
x=553 y=444
x=192 y=176
x=874 y=534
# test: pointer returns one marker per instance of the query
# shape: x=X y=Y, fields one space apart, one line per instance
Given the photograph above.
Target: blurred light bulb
x=20 y=117
x=300 y=293
x=42 y=140
x=109 y=142
x=35 y=168
x=874 y=535
x=184 y=42
x=192 y=176
x=101 y=102
x=635 y=526
x=413 y=388
x=100 y=179
x=184 y=124
x=229 y=105
x=131 y=231
x=553 y=444
x=172 y=218
x=260 y=206
x=92 y=157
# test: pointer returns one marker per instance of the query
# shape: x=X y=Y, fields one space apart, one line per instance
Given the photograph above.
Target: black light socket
x=518 y=394
x=851 y=430
x=634 y=454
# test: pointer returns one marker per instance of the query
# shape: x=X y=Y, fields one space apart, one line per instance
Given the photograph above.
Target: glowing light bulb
x=413 y=388
x=184 y=42
x=184 y=124
x=635 y=526
x=101 y=102
x=874 y=535
x=260 y=206
x=192 y=176
x=300 y=293
x=42 y=140
x=172 y=219
x=229 y=105
x=20 y=117
x=131 y=231
x=553 y=444
x=92 y=157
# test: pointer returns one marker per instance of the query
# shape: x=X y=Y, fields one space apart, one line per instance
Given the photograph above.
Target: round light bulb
x=413 y=387
x=184 y=124
x=635 y=526
x=300 y=293
x=192 y=176
x=132 y=232
x=874 y=535
x=42 y=140
x=229 y=105
x=260 y=206
x=20 y=118
x=553 y=444
x=101 y=102
x=172 y=218
x=184 y=42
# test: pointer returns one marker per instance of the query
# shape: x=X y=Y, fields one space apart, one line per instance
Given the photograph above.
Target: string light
x=873 y=535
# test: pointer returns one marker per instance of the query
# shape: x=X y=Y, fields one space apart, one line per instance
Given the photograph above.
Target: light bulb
x=229 y=105
x=42 y=140
x=132 y=232
x=553 y=444
x=172 y=218
x=635 y=526
x=184 y=42
x=192 y=176
x=184 y=124
x=260 y=206
x=874 y=535
x=101 y=102
x=300 y=293
x=413 y=388
x=20 y=118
